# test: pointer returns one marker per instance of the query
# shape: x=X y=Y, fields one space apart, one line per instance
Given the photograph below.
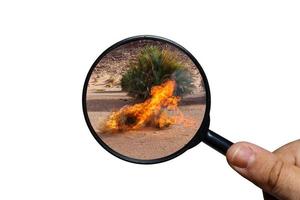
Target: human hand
x=277 y=173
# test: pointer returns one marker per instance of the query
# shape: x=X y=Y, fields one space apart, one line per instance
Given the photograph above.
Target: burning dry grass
x=159 y=110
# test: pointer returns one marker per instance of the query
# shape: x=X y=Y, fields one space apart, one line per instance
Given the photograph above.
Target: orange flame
x=154 y=111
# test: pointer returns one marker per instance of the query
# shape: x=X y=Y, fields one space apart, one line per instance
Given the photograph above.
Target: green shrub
x=152 y=67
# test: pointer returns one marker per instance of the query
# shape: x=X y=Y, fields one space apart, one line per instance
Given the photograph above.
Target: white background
x=249 y=51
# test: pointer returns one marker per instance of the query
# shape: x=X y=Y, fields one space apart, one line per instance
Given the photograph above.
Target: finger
x=290 y=153
x=265 y=169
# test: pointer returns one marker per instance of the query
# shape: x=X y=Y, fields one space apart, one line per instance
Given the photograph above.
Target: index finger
x=289 y=153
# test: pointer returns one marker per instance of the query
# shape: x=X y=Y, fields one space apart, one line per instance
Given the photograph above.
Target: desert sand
x=149 y=142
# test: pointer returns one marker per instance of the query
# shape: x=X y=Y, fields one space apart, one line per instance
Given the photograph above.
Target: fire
x=160 y=110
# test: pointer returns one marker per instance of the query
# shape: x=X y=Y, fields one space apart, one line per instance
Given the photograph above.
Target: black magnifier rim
x=199 y=134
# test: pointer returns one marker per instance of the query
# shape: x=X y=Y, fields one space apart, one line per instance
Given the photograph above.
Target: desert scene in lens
x=145 y=99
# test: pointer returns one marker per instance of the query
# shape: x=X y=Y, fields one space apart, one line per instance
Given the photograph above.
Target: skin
x=276 y=173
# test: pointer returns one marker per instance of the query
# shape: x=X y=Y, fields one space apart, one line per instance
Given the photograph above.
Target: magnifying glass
x=146 y=100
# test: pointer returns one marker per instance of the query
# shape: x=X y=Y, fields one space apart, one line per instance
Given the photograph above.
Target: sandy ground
x=147 y=143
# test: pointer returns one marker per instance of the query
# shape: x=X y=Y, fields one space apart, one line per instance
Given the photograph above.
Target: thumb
x=265 y=169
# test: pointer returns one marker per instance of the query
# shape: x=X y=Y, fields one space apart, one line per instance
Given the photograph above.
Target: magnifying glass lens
x=145 y=99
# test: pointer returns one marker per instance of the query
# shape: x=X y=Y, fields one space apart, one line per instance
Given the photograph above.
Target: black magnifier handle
x=217 y=142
